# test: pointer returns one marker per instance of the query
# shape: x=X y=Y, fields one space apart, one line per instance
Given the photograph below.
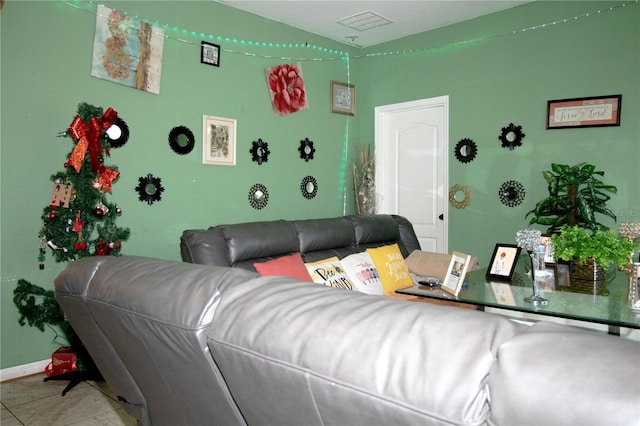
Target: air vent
x=364 y=21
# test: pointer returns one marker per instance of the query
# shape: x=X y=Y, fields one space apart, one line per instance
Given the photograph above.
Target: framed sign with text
x=596 y=111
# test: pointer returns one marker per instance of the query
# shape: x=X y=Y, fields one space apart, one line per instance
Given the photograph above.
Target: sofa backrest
x=243 y=244
x=298 y=353
x=145 y=323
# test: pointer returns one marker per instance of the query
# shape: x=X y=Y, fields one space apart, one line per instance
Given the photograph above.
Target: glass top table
x=605 y=304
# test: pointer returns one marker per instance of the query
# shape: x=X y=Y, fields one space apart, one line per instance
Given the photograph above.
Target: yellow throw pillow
x=389 y=262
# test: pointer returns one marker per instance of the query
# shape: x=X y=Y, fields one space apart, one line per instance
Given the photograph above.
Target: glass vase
x=535 y=298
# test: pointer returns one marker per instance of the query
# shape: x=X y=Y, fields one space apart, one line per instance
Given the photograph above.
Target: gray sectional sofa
x=190 y=344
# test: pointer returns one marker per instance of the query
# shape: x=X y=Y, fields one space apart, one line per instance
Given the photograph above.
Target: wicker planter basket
x=587 y=277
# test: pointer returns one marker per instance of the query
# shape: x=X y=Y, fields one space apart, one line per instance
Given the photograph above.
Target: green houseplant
x=578 y=245
x=576 y=195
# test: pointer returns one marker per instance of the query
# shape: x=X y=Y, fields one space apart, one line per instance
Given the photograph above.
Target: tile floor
x=30 y=401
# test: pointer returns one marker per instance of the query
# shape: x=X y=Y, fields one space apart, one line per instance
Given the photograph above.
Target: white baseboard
x=23 y=370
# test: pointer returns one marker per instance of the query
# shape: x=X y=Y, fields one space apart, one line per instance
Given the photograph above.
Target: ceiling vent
x=364 y=21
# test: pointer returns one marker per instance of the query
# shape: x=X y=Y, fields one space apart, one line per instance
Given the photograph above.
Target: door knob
x=441 y=217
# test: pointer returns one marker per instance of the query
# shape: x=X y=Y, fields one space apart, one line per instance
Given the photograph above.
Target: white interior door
x=412 y=166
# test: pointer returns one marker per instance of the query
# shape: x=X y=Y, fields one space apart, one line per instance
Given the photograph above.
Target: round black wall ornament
x=149 y=189
x=118 y=134
x=511 y=193
x=258 y=196
x=511 y=136
x=259 y=151
x=181 y=140
x=309 y=187
x=306 y=149
x=466 y=150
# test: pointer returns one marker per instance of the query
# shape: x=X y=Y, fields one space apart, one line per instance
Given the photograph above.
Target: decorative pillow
x=429 y=264
x=362 y=273
x=330 y=273
x=288 y=266
x=389 y=262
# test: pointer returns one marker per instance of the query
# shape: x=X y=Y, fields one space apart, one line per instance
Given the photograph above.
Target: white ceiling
x=406 y=17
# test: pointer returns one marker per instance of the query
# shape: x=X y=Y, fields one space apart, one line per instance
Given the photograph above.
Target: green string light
x=88 y=6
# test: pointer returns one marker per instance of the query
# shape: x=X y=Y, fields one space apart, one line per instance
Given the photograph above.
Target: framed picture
x=635 y=283
x=503 y=262
x=343 y=98
x=454 y=279
x=218 y=140
x=209 y=54
x=563 y=278
x=548 y=250
x=596 y=111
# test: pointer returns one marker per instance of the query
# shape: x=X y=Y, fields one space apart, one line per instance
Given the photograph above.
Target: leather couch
x=243 y=244
x=187 y=344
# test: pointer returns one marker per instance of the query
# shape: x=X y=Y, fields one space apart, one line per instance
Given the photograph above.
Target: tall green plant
x=576 y=195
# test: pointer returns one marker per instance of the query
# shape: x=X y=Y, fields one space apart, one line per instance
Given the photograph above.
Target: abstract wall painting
x=127 y=50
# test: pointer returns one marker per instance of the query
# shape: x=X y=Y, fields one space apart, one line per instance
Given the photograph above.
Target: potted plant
x=591 y=254
x=576 y=195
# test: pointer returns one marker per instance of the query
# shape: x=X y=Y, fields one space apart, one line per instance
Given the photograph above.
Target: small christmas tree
x=79 y=221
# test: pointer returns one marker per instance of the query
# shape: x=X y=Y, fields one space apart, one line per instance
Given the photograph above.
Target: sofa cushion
x=362 y=272
x=390 y=264
x=286 y=266
x=290 y=351
x=259 y=240
x=329 y=272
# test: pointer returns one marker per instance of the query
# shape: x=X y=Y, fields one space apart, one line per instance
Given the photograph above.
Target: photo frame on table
x=595 y=111
x=218 y=140
x=458 y=267
x=209 y=54
x=562 y=275
x=503 y=262
x=343 y=98
x=548 y=250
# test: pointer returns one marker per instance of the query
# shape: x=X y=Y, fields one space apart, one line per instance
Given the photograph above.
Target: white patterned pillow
x=362 y=272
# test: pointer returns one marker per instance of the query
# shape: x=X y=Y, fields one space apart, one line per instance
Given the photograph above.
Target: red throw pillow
x=288 y=266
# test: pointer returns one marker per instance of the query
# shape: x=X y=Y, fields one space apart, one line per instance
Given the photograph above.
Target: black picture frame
x=593 y=111
x=209 y=54
x=503 y=262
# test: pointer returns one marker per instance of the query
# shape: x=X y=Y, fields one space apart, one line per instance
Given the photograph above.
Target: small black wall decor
x=511 y=136
x=259 y=151
x=511 y=193
x=149 y=189
x=306 y=149
x=466 y=150
x=181 y=140
x=118 y=134
x=258 y=196
x=309 y=187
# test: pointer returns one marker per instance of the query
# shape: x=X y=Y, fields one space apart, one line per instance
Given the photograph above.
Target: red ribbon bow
x=88 y=136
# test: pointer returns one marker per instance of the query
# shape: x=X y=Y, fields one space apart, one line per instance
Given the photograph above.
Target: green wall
x=507 y=76
x=45 y=73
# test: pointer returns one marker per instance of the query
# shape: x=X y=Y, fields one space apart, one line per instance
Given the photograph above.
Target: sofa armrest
x=566 y=376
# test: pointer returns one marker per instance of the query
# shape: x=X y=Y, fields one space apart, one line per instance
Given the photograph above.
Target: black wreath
x=259 y=151
x=511 y=193
x=175 y=145
x=466 y=150
x=124 y=134
x=518 y=135
x=258 y=203
x=303 y=187
x=146 y=194
x=306 y=149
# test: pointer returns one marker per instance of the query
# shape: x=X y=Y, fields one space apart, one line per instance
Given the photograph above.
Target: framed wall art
x=503 y=262
x=209 y=54
x=595 y=111
x=218 y=140
x=343 y=98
